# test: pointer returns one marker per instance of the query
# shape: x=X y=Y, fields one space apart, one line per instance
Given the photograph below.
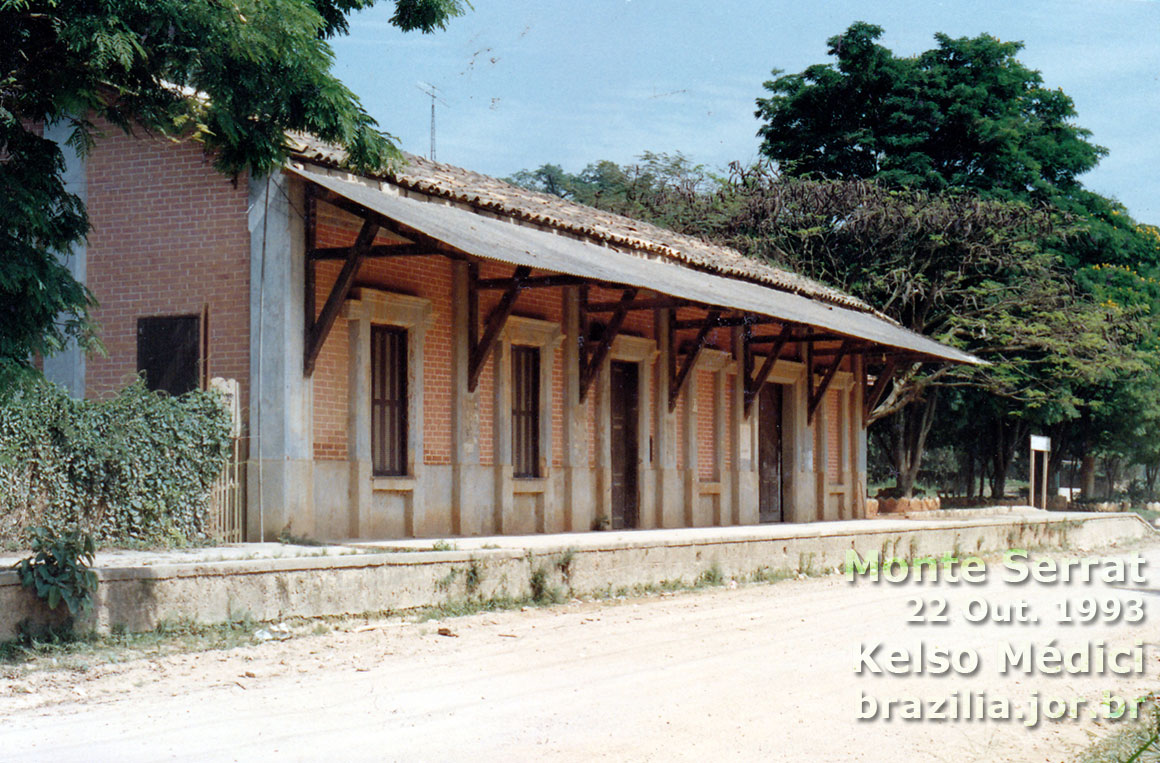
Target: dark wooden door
x=769 y=467
x=624 y=445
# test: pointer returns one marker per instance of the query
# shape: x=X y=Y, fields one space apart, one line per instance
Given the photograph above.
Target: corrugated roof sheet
x=541 y=249
x=502 y=198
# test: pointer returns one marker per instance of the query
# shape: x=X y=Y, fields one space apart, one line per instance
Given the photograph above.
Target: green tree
x=968 y=115
x=965 y=114
x=234 y=76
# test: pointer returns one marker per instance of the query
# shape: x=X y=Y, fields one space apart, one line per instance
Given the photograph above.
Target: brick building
x=436 y=352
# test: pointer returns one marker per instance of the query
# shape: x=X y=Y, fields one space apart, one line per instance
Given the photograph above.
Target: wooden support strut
x=678 y=383
x=816 y=395
x=431 y=244
x=495 y=323
x=754 y=385
x=590 y=366
x=874 y=394
x=317 y=331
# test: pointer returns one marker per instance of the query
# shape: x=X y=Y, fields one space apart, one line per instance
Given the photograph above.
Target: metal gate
x=225 y=499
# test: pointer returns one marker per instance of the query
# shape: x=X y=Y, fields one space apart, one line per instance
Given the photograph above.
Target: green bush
x=58 y=570
x=137 y=467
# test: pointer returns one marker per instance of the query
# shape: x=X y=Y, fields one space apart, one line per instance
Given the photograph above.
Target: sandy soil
x=760 y=672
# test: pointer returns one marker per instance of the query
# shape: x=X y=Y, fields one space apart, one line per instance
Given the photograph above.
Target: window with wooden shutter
x=525 y=412
x=388 y=401
x=169 y=352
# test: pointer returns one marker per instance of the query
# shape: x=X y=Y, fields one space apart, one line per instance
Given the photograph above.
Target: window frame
x=389 y=396
x=526 y=412
x=198 y=341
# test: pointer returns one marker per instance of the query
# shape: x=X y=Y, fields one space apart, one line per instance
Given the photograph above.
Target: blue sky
x=532 y=82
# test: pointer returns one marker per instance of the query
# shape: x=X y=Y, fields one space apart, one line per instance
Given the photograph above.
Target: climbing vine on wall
x=135 y=468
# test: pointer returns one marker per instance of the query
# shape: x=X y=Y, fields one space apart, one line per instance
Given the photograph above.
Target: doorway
x=769 y=454
x=625 y=448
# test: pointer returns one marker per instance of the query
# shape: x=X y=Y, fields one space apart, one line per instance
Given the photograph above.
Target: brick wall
x=169 y=237
x=427 y=277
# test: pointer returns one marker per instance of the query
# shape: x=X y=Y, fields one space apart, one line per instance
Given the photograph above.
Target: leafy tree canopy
x=235 y=76
x=965 y=114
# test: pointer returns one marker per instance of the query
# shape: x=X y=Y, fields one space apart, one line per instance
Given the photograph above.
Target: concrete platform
x=270 y=581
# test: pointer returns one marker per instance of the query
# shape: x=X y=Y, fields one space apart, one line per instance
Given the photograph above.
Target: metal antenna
x=433 y=92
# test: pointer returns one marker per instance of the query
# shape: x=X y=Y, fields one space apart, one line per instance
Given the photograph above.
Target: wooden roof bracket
x=677 y=383
x=754 y=385
x=874 y=393
x=317 y=330
x=816 y=395
x=430 y=244
x=590 y=364
x=480 y=350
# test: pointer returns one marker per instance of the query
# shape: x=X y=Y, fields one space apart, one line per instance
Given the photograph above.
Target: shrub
x=58 y=570
x=137 y=467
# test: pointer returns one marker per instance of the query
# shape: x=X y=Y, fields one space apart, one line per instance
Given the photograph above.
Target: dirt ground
x=757 y=672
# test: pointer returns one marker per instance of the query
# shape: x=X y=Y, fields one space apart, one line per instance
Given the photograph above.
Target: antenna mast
x=433 y=92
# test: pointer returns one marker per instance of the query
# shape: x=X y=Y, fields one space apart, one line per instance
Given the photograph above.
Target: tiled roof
x=498 y=197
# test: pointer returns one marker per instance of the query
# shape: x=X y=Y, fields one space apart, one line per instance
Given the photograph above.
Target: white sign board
x=1041 y=443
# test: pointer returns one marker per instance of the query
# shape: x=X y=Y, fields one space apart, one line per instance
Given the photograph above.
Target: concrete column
x=358 y=444
x=67 y=367
x=858 y=437
x=742 y=472
x=600 y=397
x=577 y=507
x=504 y=501
x=466 y=518
x=646 y=471
x=800 y=489
x=821 y=459
x=669 y=493
x=692 y=476
x=280 y=473
x=846 y=454
x=723 y=514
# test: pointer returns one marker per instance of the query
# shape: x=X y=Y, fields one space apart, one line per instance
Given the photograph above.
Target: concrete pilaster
x=692 y=475
x=858 y=434
x=504 y=505
x=577 y=514
x=669 y=493
x=466 y=516
x=743 y=430
x=280 y=473
x=358 y=429
x=67 y=367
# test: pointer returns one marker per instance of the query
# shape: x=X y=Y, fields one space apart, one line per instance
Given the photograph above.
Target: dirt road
x=762 y=672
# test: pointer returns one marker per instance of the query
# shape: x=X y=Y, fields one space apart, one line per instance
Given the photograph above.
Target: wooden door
x=623 y=430
x=769 y=466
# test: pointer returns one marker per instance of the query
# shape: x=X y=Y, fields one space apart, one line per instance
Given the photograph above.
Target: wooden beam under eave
x=753 y=386
x=495 y=323
x=654 y=303
x=378 y=250
x=318 y=330
x=537 y=282
x=819 y=393
x=589 y=367
x=874 y=395
x=386 y=223
x=677 y=384
x=731 y=321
